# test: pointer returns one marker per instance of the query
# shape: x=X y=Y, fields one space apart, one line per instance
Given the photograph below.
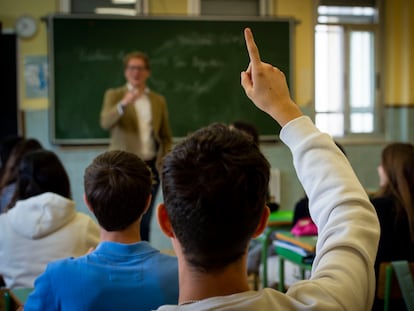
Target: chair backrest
x=7 y=301
x=388 y=286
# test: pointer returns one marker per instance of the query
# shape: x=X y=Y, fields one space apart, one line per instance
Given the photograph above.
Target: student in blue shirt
x=123 y=272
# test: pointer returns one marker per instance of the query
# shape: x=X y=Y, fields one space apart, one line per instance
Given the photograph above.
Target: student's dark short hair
x=117 y=186
x=248 y=128
x=41 y=171
x=214 y=185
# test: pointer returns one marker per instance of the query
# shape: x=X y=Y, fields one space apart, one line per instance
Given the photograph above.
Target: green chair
x=278 y=220
x=395 y=282
x=7 y=303
x=13 y=299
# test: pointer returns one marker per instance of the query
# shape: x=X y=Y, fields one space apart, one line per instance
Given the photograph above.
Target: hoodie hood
x=41 y=215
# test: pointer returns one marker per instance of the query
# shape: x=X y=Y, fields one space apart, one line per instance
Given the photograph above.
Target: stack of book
x=298 y=249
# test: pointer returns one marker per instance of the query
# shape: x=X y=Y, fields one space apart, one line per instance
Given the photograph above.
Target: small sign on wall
x=36 y=76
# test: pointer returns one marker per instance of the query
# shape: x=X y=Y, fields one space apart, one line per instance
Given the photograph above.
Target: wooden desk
x=277 y=220
x=303 y=260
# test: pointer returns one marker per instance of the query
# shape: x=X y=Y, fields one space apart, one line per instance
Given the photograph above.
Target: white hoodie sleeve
x=343 y=275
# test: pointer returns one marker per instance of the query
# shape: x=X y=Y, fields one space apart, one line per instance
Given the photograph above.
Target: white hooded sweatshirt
x=38 y=230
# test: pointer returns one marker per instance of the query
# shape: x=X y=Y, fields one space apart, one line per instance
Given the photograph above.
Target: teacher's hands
x=130 y=97
x=266 y=86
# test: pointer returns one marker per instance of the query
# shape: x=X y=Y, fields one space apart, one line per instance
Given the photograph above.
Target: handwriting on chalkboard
x=193 y=39
x=208 y=39
x=196 y=87
x=93 y=55
x=200 y=64
x=97 y=55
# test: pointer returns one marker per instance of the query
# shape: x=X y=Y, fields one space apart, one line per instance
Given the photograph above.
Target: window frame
x=266 y=7
x=377 y=109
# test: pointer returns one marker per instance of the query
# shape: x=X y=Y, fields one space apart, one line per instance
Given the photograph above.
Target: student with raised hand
x=123 y=272
x=217 y=174
x=42 y=224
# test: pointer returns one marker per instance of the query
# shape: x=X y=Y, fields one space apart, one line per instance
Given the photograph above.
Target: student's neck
x=196 y=285
x=127 y=236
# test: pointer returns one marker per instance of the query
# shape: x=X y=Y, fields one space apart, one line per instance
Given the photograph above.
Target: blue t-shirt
x=113 y=277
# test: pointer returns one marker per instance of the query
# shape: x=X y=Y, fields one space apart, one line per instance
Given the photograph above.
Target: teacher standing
x=138 y=121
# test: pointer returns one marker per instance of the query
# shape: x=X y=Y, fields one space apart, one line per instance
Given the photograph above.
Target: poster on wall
x=36 y=76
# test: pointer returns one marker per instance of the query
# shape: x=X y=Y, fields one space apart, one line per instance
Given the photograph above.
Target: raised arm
x=342 y=273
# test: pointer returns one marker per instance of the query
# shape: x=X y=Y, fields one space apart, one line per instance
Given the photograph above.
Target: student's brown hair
x=397 y=160
x=117 y=187
x=11 y=167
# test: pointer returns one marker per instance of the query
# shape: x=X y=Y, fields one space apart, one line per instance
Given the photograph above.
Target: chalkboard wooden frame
x=67 y=84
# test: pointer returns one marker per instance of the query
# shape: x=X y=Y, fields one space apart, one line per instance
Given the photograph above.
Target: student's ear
x=85 y=199
x=147 y=204
x=263 y=222
x=164 y=221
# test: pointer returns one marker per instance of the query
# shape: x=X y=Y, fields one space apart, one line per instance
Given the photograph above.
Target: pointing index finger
x=251 y=47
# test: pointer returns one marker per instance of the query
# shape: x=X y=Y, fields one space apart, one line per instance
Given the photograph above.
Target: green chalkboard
x=195 y=64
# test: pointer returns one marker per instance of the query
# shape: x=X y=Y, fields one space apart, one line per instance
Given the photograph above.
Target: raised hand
x=130 y=97
x=266 y=86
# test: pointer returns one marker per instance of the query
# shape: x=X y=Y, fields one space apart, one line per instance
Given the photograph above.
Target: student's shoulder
x=69 y=264
x=382 y=203
x=384 y=206
x=65 y=261
x=83 y=217
x=55 y=271
x=164 y=258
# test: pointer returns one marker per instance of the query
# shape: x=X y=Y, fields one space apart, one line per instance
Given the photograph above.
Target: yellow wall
x=168 y=7
x=37 y=45
x=399 y=53
x=304 y=52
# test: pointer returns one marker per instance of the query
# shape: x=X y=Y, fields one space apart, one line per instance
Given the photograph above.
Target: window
x=346 y=95
x=116 y=7
x=231 y=7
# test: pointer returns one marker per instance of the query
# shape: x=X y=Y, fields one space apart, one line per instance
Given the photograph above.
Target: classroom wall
x=9 y=11
x=398 y=78
x=363 y=155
